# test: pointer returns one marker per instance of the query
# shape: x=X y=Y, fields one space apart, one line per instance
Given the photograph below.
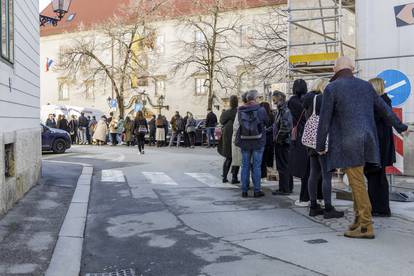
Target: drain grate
x=120 y=272
x=316 y=241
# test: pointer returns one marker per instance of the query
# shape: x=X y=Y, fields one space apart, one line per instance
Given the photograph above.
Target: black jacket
x=211 y=120
x=385 y=137
x=83 y=121
x=227 y=121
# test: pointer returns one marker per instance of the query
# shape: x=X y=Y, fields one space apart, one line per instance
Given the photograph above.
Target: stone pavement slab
x=28 y=232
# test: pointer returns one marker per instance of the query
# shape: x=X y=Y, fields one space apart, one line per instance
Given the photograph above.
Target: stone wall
x=26 y=163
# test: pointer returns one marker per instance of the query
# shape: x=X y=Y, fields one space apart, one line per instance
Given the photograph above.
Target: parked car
x=55 y=140
x=201 y=136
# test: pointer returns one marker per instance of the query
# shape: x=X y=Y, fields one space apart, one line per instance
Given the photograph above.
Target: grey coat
x=347 y=116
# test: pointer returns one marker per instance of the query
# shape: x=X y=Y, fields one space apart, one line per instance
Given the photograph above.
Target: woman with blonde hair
x=377 y=181
x=312 y=102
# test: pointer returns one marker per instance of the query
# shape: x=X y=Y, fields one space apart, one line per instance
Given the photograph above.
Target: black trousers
x=141 y=141
x=378 y=191
x=304 y=192
x=114 y=139
x=227 y=166
x=191 y=138
x=268 y=158
x=152 y=137
x=282 y=165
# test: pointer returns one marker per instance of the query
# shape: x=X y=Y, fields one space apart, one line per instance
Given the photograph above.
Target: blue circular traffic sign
x=397 y=86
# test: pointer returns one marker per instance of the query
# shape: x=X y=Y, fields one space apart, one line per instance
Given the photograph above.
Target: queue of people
x=343 y=123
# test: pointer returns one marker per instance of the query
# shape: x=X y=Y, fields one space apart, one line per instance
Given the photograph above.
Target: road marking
x=159 y=178
x=115 y=157
x=112 y=176
x=395 y=86
x=210 y=180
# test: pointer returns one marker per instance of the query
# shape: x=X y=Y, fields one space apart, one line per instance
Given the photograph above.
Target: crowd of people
x=343 y=123
x=133 y=131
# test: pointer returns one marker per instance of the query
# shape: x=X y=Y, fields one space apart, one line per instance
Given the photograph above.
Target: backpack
x=180 y=124
x=250 y=125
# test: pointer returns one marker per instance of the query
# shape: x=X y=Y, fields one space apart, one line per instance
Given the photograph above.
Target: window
x=245 y=36
x=7 y=30
x=199 y=38
x=63 y=91
x=160 y=44
x=200 y=86
x=71 y=17
x=89 y=90
x=246 y=82
x=8 y=160
x=159 y=87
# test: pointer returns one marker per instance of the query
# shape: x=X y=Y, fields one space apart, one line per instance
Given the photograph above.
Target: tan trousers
x=362 y=205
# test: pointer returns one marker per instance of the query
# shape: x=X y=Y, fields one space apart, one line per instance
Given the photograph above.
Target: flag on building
x=49 y=64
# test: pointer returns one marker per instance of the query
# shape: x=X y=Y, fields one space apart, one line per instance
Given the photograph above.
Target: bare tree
x=210 y=50
x=127 y=36
x=269 y=42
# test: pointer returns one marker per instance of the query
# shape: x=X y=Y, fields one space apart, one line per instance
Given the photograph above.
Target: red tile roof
x=91 y=12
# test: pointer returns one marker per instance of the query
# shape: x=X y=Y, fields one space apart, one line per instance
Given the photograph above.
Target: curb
x=67 y=255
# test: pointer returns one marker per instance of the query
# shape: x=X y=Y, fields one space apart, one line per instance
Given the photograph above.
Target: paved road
x=167 y=213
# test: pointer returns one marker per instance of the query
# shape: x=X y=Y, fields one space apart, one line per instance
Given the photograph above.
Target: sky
x=43 y=4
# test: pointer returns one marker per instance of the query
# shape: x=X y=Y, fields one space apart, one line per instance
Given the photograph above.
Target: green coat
x=227 y=121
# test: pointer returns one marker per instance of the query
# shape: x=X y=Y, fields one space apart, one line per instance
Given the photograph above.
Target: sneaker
x=259 y=194
x=315 y=211
x=361 y=233
x=278 y=192
x=301 y=203
x=245 y=194
x=332 y=213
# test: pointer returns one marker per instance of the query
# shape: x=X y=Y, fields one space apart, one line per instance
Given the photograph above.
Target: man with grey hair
x=347 y=116
x=251 y=138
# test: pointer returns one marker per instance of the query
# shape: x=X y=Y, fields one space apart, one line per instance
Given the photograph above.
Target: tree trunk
x=210 y=96
x=121 y=106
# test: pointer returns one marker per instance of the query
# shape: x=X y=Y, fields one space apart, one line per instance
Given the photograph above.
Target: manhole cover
x=316 y=241
x=120 y=272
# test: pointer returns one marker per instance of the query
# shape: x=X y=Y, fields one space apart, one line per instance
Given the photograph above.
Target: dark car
x=201 y=135
x=55 y=140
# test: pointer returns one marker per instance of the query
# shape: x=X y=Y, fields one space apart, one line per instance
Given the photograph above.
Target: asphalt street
x=167 y=213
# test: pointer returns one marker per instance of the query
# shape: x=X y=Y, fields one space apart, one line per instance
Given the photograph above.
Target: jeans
x=251 y=157
x=318 y=171
x=176 y=135
x=191 y=137
x=211 y=137
x=82 y=135
x=114 y=139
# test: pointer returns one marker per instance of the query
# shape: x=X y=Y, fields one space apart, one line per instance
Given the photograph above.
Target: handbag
x=294 y=133
x=310 y=131
x=142 y=129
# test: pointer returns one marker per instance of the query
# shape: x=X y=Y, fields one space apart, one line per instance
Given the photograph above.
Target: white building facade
x=20 y=135
x=183 y=91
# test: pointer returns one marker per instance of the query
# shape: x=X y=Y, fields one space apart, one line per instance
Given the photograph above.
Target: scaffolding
x=315 y=37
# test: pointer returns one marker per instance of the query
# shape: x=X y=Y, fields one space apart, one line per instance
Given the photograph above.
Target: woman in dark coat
x=298 y=155
x=140 y=129
x=227 y=120
x=268 y=153
x=377 y=180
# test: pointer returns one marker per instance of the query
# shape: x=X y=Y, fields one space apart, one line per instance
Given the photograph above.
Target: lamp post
x=60 y=8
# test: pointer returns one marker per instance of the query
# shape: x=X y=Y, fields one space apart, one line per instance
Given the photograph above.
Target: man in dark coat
x=347 y=116
x=152 y=130
x=51 y=122
x=211 y=123
x=227 y=121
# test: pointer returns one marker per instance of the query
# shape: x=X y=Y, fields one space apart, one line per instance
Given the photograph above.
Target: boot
x=315 y=210
x=234 y=179
x=330 y=213
x=225 y=180
x=361 y=232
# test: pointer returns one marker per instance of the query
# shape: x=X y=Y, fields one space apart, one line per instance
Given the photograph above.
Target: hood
x=56 y=130
x=249 y=107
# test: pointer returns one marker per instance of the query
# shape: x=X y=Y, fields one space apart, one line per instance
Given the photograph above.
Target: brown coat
x=129 y=131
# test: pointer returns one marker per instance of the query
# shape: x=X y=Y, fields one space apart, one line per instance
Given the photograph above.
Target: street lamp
x=60 y=8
